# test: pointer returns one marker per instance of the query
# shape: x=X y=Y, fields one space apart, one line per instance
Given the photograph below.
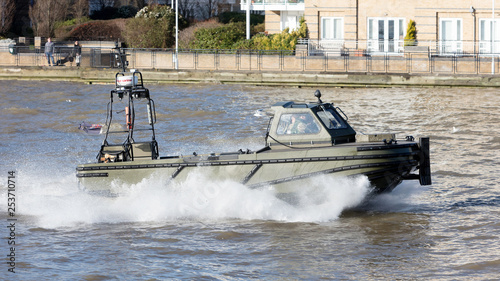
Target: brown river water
x=206 y=229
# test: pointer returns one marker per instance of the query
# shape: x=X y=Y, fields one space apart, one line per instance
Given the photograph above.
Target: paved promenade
x=294 y=79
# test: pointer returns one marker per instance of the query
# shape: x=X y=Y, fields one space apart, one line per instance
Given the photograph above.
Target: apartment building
x=379 y=26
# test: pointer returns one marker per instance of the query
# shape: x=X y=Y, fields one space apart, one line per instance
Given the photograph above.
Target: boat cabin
x=309 y=124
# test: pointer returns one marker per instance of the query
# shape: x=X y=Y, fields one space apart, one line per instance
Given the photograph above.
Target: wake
x=51 y=203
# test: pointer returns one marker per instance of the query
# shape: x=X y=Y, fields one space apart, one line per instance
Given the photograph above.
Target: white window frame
x=284 y=19
x=486 y=46
x=335 y=43
x=334 y=28
x=453 y=45
x=385 y=45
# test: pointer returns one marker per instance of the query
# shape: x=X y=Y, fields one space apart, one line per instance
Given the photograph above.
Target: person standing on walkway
x=49 y=50
x=77 y=52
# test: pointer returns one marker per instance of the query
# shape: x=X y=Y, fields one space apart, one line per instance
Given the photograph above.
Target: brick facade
x=465 y=21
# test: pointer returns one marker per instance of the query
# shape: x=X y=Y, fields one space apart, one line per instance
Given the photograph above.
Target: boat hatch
x=331 y=119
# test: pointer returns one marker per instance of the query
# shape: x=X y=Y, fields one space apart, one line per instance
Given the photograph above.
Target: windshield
x=297 y=123
x=331 y=119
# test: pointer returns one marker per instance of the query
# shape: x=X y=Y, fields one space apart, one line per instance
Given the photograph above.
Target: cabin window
x=331 y=119
x=297 y=123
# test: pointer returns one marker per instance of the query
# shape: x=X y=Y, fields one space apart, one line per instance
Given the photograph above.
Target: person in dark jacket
x=49 y=50
x=77 y=52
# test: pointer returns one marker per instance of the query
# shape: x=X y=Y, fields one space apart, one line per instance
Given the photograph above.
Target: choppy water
x=207 y=229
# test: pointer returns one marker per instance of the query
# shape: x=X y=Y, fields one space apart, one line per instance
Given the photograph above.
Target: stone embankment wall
x=416 y=70
x=107 y=75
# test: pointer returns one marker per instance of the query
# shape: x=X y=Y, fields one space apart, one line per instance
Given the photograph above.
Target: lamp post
x=248 y=19
x=473 y=13
x=176 y=59
x=492 y=36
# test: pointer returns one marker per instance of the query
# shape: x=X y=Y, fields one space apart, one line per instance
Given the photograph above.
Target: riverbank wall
x=291 y=79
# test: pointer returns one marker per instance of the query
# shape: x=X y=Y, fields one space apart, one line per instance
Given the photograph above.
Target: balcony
x=273 y=5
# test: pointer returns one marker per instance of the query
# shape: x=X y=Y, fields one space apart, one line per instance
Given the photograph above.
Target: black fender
x=424 y=162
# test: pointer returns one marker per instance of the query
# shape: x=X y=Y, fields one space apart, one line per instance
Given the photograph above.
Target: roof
x=291 y=104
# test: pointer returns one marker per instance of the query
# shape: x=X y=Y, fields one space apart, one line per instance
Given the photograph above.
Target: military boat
x=303 y=140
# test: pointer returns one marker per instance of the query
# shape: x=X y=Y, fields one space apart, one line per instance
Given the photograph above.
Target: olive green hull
x=386 y=165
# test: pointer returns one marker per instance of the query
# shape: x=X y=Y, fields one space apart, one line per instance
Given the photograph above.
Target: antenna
x=318 y=95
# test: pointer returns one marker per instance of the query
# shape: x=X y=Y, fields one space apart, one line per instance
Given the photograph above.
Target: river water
x=213 y=230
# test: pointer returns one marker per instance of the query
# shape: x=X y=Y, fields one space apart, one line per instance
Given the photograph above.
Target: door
x=385 y=35
x=450 y=36
x=489 y=36
x=290 y=20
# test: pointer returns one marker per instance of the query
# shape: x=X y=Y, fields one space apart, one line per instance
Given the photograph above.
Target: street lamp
x=176 y=59
x=248 y=19
x=473 y=14
x=492 y=36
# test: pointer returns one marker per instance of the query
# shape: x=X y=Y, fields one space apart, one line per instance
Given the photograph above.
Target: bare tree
x=105 y=3
x=212 y=8
x=188 y=8
x=45 y=13
x=139 y=4
x=152 y=2
x=7 y=11
x=80 y=9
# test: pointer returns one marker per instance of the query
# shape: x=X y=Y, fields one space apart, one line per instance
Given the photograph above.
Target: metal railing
x=422 y=60
x=273 y=2
x=397 y=47
x=283 y=5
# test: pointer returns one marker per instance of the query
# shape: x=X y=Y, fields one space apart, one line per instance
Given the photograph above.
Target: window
x=489 y=36
x=332 y=28
x=290 y=20
x=386 y=34
x=331 y=119
x=297 y=123
x=450 y=35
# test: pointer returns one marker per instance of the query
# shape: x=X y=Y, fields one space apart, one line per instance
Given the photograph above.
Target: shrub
x=105 y=13
x=155 y=11
x=62 y=29
x=99 y=30
x=69 y=22
x=303 y=31
x=186 y=36
x=244 y=45
x=259 y=28
x=411 y=34
x=228 y=17
x=280 y=41
x=152 y=27
x=126 y=12
x=223 y=37
x=108 y=13
x=148 y=33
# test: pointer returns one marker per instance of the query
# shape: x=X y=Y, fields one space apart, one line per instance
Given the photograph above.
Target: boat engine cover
x=127 y=81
